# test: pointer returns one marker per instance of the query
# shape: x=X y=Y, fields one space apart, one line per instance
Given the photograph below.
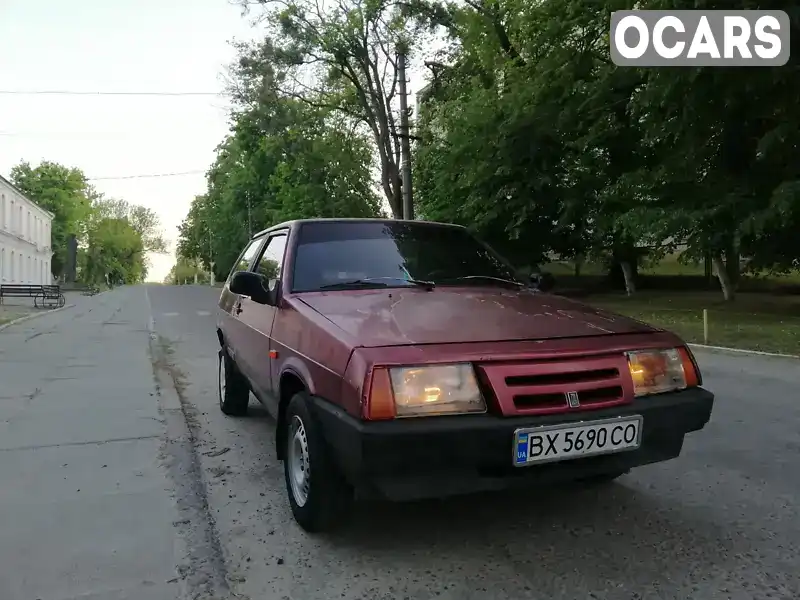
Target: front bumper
x=435 y=456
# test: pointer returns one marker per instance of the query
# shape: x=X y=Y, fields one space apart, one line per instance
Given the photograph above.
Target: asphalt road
x=194 y=502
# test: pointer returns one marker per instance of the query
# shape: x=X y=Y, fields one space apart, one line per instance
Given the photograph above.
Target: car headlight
x=661 y=370
x=423 y=391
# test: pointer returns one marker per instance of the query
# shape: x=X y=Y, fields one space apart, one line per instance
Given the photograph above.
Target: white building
x=25 y=247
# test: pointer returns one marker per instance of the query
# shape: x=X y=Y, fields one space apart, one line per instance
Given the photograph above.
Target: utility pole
x=405 y=134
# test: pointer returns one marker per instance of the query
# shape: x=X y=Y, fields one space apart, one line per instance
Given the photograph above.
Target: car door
x=230 y=305
x=259 y=318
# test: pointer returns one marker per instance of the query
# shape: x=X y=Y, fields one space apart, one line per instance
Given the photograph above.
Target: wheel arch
x=289 y=384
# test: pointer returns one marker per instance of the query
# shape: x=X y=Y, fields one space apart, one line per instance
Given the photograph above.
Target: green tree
x=283 y=160
x=143 y=219
x=725 y=177
x=529 y=124
x=114 y=250
x=65 y=192
x=340 y=58
x=185 y=271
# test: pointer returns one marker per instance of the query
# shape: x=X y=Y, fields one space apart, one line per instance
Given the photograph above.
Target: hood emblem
x=572 y=399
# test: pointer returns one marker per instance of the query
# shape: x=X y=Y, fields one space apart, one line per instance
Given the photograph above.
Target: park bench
x=44 y=296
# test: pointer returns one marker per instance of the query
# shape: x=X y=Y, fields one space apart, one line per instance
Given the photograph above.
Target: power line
x=149 y=176
x=90 y=93
x=73 y=135
x=86 y=135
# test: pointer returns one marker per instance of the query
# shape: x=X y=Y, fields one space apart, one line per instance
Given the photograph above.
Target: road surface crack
x=86 y=443
x=204 y=573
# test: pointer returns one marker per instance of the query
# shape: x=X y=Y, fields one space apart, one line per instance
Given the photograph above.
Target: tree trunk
x=578 y=265
x=627 y=272
x=721 y=272
x=732 y=263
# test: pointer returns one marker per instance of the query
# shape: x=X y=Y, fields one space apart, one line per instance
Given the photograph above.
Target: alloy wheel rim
x=298 y=462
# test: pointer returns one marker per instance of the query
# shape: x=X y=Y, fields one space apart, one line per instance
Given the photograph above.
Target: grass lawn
x=669 y=265
x=768 y=323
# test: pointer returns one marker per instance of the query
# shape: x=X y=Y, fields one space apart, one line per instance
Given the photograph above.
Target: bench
x=44 y=296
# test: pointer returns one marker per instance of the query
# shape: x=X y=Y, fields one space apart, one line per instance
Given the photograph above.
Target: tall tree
x=144 y=220
x=528 y=122
x=283 y=160
x=65 y=192
x=340 y=57
x=114 y=250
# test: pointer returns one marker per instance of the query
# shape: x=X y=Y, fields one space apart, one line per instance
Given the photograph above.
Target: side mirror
x=256 y=287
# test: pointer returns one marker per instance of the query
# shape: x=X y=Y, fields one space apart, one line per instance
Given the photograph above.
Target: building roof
x=24 y=195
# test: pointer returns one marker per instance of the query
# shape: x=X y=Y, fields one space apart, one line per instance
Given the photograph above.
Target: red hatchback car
x=407 y=358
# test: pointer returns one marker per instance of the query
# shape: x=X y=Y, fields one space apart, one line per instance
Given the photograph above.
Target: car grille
x=541 y=387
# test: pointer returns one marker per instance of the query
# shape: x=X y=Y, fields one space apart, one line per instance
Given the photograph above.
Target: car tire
x=233 y=389
x=319 y=495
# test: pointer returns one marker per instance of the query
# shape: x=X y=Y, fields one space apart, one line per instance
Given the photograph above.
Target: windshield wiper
x=487 y=278
x=428 y=285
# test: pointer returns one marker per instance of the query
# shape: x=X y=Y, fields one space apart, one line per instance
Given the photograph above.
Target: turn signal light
x=380 y=399
x=689 y=368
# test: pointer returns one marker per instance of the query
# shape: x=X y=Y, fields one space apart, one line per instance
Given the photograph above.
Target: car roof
x=298 y=222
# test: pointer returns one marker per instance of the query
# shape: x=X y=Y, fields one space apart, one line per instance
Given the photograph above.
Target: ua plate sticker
x=522 y=448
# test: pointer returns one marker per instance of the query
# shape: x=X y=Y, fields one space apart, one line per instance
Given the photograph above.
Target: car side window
x=271 y=261
x=246 y=257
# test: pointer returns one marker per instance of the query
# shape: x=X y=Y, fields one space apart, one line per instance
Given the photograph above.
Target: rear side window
x=246 y=257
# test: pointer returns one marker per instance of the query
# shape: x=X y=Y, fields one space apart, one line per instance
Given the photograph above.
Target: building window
x=2 y=264
x=2 y=211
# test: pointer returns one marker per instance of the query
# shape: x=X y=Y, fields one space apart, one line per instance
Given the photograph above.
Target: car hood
x=390 y=317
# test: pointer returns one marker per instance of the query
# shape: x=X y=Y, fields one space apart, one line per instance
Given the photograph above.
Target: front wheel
x=319 y=496
x=233 y=389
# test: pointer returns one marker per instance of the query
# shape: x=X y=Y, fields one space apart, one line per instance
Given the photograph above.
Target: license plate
x=549 y=443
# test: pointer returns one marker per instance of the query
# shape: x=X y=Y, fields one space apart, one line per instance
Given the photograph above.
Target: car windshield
x=392 y=254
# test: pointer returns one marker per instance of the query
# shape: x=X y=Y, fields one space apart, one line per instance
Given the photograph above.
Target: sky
x=107 y=45
x=115 y=46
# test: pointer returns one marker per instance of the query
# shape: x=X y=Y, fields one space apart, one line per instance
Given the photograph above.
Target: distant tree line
x=113 y=235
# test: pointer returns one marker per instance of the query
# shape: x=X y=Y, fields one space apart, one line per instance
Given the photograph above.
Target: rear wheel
x=319 y=496
x=233 y=388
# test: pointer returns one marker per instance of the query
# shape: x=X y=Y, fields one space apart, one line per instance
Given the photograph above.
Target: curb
x=33 y=316
x=741 y=351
